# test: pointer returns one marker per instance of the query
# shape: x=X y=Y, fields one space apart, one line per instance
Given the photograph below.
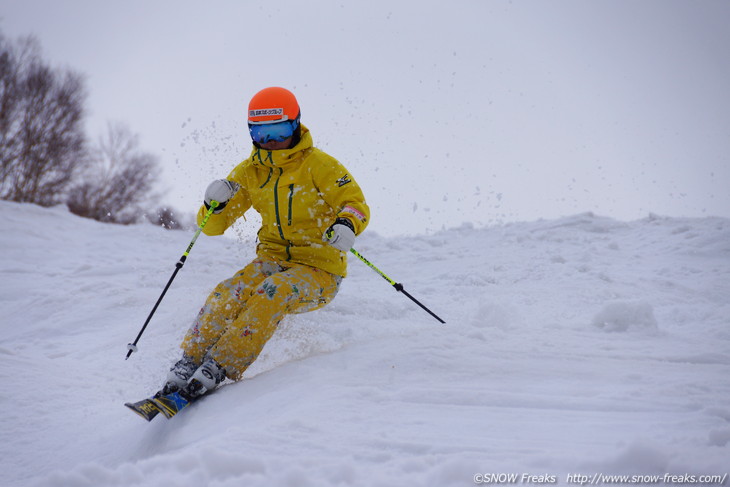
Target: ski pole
x=398 y=286
x=132 y=347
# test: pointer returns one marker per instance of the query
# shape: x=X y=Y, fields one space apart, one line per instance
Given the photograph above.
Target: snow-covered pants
x=242 y=312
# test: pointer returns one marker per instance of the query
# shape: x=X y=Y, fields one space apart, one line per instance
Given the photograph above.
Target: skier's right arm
x=220 y=191
x=233 y=202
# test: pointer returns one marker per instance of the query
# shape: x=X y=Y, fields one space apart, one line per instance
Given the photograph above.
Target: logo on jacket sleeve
x=344 y=180
x=349 y=210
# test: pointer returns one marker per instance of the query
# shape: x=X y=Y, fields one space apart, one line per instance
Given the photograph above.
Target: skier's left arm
x=342 y=193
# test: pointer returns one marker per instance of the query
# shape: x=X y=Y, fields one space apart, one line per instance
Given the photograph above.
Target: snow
x=579 y=345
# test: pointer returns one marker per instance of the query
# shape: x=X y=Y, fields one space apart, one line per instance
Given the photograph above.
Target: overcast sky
x=445 y=112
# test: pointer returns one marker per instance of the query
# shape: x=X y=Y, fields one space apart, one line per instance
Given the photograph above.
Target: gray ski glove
x=220 y=190
x=341 y=235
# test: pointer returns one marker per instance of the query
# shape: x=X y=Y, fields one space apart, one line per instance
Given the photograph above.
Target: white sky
x=445 y=112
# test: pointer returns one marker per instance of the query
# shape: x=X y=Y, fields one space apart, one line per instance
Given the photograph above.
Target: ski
x=170 y=404
x=167 y=404
x=146 y=408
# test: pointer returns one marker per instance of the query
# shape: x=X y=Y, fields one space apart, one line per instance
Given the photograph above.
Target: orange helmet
x=272 y=105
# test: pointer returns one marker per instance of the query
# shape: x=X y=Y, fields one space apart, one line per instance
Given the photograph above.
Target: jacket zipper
x=278 y=217
x=291 y=197
x=267 y=179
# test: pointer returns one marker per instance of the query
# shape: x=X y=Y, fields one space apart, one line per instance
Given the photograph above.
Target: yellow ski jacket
x=298 y=192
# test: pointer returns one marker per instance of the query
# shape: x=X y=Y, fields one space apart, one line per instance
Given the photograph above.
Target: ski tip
x=145 y=409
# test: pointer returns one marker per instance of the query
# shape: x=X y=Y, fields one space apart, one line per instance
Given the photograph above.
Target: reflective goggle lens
x=263 y=133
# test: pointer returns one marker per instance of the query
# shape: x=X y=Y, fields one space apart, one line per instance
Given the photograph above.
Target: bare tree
x=169 y=219
x=42 y=142
x=117 y=187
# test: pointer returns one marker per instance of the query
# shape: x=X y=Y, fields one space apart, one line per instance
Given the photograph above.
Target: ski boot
x=204 y=379
x=179 y=375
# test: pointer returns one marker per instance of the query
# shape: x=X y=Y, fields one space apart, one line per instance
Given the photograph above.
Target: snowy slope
x=578 y=345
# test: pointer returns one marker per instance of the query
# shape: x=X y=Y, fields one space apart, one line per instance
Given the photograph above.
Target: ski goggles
x=267 y=132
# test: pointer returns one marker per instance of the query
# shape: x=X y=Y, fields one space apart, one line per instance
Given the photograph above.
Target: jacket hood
x=278 y=158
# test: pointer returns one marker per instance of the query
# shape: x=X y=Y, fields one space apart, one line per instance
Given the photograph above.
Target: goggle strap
x=266 y=122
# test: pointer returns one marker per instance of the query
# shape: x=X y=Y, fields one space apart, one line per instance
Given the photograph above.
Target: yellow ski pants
x=243 y=312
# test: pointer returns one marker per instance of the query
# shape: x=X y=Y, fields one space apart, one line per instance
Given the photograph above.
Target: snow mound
x=626 y=315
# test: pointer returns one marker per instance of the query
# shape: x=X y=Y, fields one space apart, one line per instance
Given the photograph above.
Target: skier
x=311 y=210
